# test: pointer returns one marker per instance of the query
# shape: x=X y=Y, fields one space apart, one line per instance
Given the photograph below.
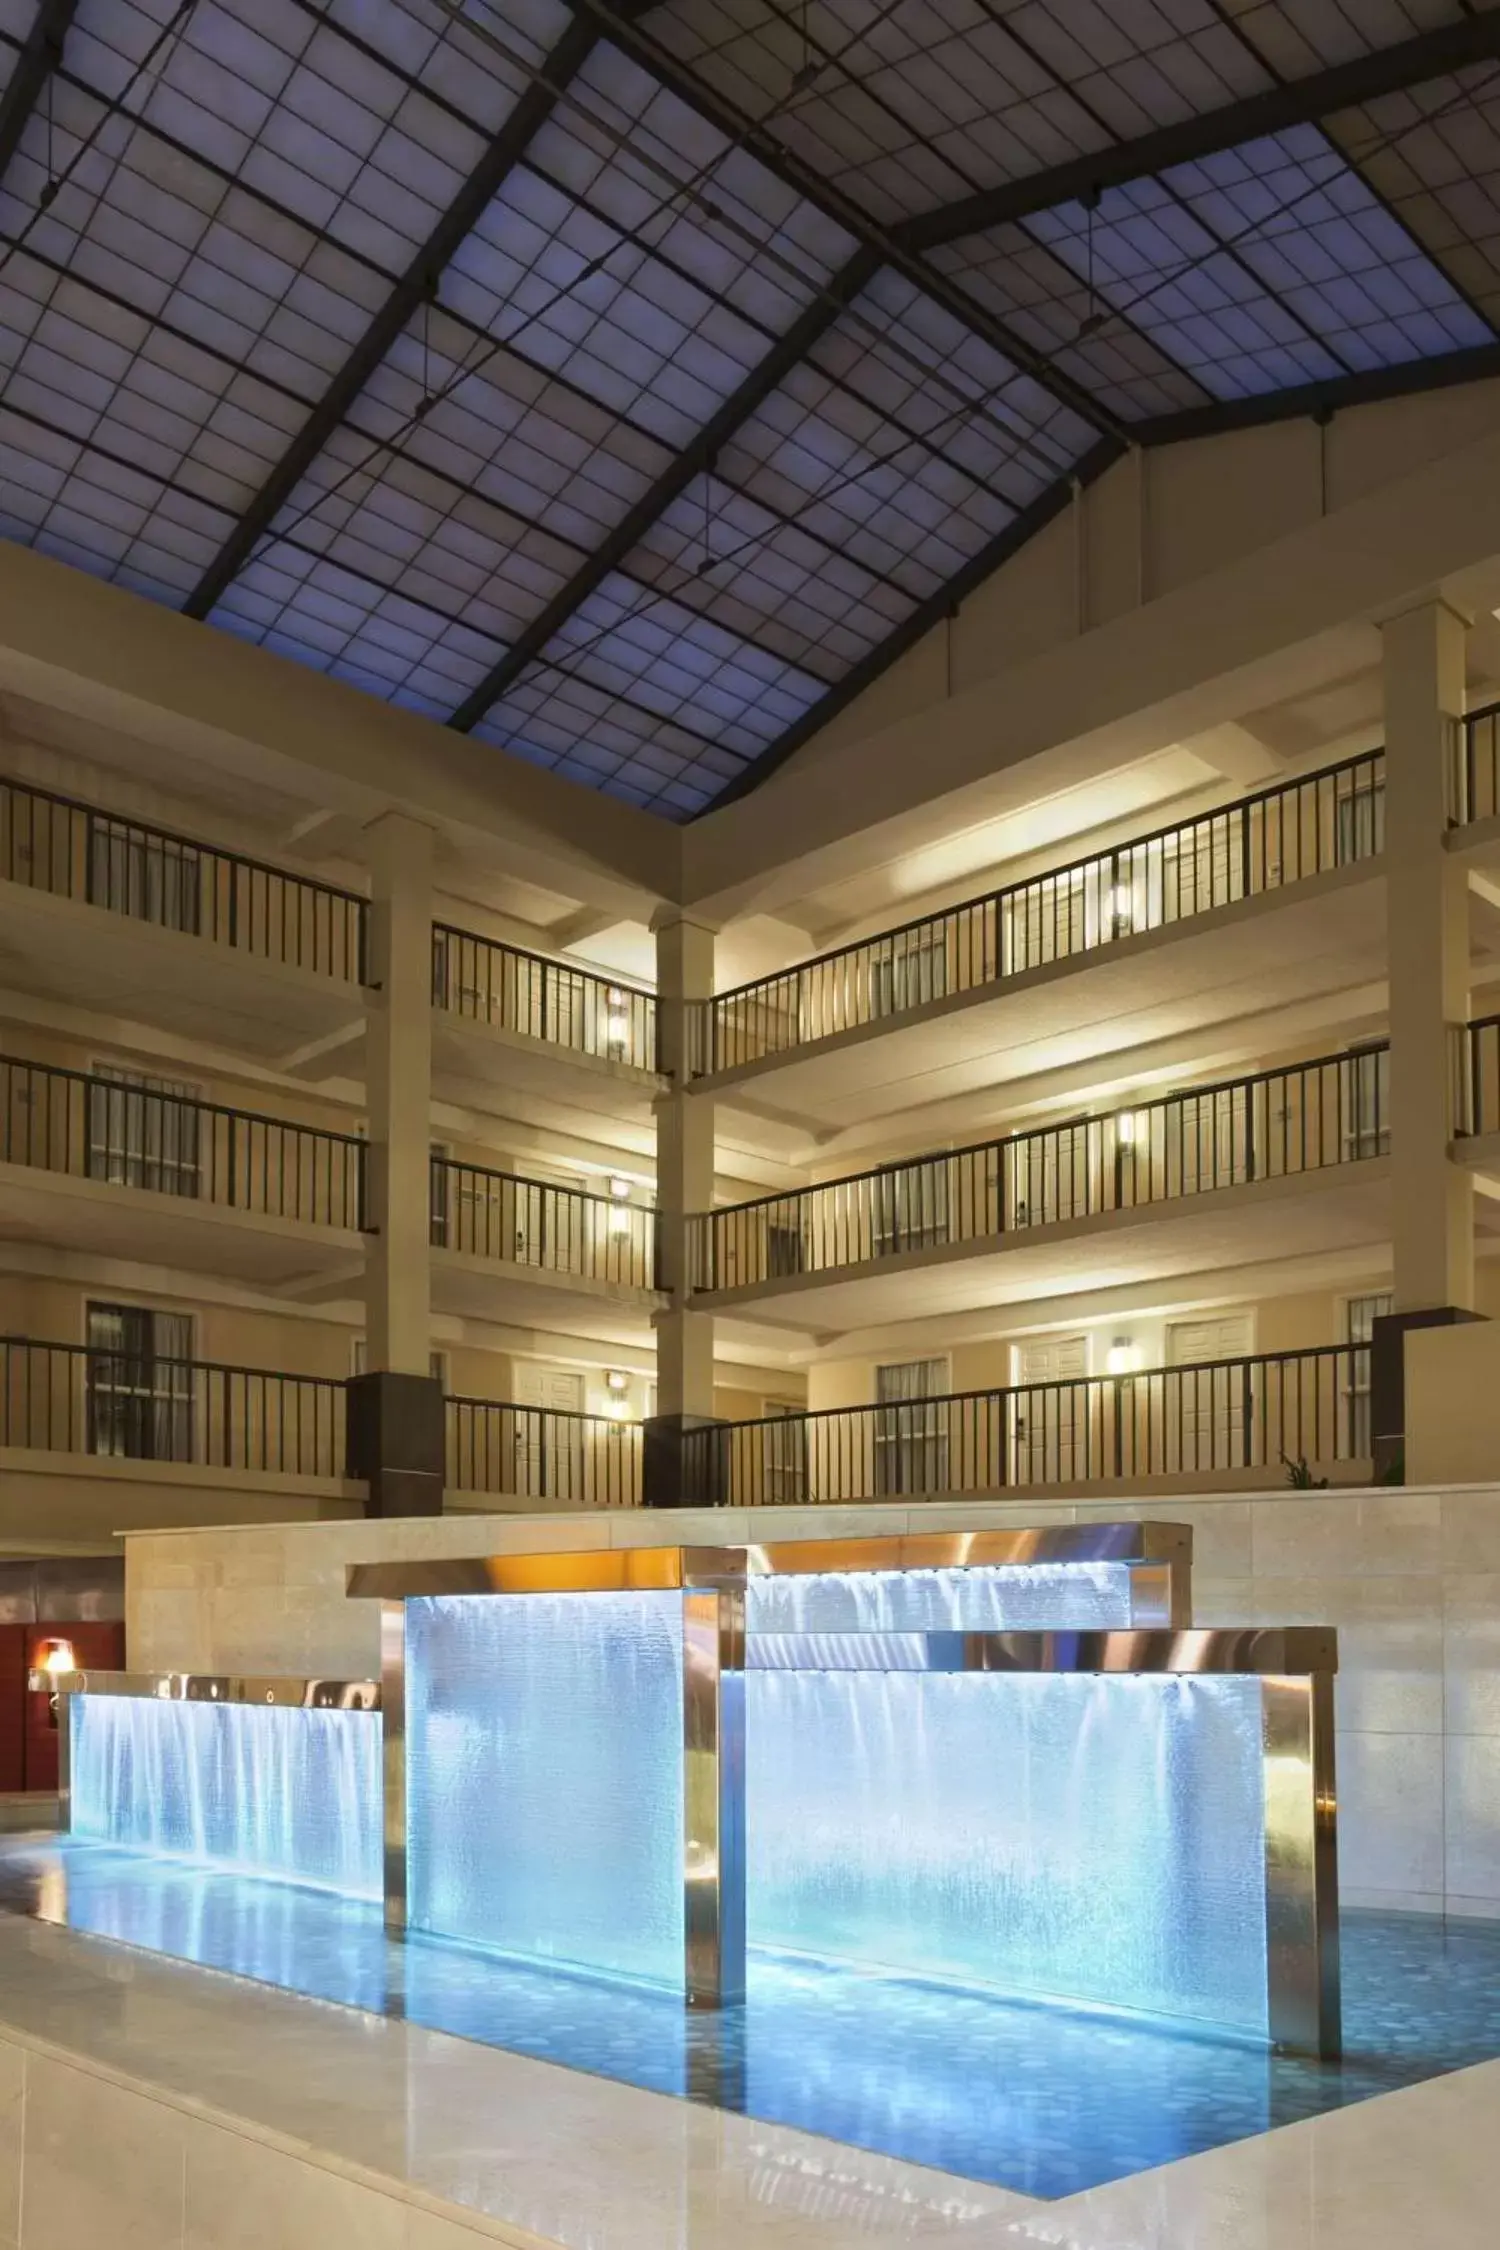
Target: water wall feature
x=1098 y=1840
x=544 y=1777
x=260 y=1789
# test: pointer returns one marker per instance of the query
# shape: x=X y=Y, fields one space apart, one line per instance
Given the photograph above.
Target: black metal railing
x=1221 y=1418
x=1474 y=791
x=488 y=1214
x=71 y=1398
x=1328 y=819
x=1335 y=1110
x=537 y=1453
x=50 y=843
x=1478 y=1106
x=128 y=1134
x=552 y=1001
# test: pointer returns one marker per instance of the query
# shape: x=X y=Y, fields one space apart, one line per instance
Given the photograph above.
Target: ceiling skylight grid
x=669 y=446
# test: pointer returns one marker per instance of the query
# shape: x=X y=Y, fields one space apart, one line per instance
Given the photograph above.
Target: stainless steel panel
x=213 y=1687
x=393 y=1759
x=1302 y=1914
x=1161 y=1547
x=713 y=1797
x=1250 y=1649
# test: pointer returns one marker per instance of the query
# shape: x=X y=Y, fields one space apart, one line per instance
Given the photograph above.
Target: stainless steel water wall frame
x=712 y=1582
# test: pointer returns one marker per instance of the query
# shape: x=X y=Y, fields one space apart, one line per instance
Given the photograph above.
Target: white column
x=398 y=1078
x=1427 y=907
x=684 y=1170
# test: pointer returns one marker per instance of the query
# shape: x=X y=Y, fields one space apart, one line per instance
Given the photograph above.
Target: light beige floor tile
x=241 y=2195
x=102 y=2167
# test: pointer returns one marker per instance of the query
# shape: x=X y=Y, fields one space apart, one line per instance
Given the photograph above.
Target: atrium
x=749 y=1123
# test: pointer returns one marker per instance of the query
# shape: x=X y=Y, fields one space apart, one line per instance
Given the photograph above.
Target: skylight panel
x=921 y=105
x=1264 y=266
x=1432 y=154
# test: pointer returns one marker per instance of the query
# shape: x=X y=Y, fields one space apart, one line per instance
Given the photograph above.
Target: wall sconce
x=1132 y=1127
x=619 y=1206
x=1119 y=910
x=617 y=1405
x=1122 y=1358
x=617 y=1022
x=54 y=1658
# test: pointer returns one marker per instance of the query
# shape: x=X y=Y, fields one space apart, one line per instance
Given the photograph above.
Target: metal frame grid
x=630 y=384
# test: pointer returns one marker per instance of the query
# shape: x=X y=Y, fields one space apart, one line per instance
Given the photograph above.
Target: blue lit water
x=1035 y=2099
x=968 y=1598
x=1092 y=1839
x=260 y=1789
x=544 y=1777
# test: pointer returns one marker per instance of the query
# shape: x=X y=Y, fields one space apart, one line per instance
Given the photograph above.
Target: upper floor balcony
x=1079 y=960
x=1215 y=1174
x=108 y=913
x=109 y=1164
x=506 y=1017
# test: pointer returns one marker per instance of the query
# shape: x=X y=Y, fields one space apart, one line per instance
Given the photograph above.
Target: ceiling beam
x=416 y=285
x=695 y=459
x=1319 y=402
x=1299 y=101
x=615 y=23
x=38 y=58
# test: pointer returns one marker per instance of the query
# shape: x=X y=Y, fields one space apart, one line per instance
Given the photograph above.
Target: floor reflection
x=1033 y=2099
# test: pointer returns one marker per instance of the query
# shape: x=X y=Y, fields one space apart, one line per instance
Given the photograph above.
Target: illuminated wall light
x=1119 y=908
x=56 y=1657
x=617 y=1404
x=1122 y=1358
x=619 y=1206
x=617 y=1022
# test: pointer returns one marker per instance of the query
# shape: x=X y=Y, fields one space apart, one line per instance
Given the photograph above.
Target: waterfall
x=983 y=1598
x=1090 y=1839
x=255 y=1788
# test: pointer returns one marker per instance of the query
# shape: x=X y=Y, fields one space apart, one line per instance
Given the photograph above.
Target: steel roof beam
x=38 y=58
x=1298 y=101
x=415 y=286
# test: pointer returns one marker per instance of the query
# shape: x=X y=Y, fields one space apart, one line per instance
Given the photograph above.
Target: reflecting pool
x=1042 y=2100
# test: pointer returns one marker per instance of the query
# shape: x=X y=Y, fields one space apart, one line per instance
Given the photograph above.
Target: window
x=1360 y=1316
x=1360 y=828
x=139 y=1383
x=911 y=1207
x=1365 y=1093
x=143 y=1132
x=911 y=1438
x=907 y=970
x=785 y=1451
x=152 y=878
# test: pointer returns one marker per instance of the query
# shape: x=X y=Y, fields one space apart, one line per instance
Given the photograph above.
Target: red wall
x=28 y=1737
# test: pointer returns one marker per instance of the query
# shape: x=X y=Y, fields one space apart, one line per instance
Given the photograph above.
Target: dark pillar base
x=1388 y=1381
x=395 y=1441
x=684 y=1462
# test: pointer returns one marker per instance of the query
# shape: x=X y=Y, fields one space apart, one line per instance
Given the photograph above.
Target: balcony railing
x=70 y=1398
x=128 y=1135
x=488 y=1214
x=534 y=1453
x=552 y=1001
x=1262 y=843
x=1475 y=787
x=49 y=843
x=1267 y=1414
x=1278 y=1122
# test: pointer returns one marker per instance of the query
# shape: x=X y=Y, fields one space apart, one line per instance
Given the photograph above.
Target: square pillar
x=395 y=1426
x=684 y=1185
x=1432 y=1200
